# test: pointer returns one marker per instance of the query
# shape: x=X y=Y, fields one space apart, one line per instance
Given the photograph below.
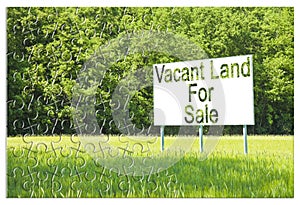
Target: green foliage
x=47 y=48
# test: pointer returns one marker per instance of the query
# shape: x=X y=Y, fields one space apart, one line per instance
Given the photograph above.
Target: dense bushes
x=47 y=47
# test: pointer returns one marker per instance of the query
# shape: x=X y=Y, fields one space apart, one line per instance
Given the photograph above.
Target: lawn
x=64 y=167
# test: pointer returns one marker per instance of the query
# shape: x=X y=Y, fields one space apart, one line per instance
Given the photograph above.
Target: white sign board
x=216 y=91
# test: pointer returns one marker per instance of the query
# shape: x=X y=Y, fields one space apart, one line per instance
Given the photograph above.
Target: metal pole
x=245 y=139
x=162 y=138
x=201 y=138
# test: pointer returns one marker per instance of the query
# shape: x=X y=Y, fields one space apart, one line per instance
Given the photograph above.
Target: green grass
x=61 y=167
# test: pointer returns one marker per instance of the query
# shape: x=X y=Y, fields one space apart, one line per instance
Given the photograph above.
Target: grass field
x=60 y=167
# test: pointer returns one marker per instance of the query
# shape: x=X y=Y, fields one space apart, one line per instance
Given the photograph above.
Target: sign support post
x=162 y=138
x=245 y=139
x=201 y=138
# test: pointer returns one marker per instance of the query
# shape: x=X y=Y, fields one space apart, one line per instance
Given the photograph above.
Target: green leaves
x=47 y=48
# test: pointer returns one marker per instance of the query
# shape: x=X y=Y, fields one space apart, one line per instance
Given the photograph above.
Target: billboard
x=217 y=91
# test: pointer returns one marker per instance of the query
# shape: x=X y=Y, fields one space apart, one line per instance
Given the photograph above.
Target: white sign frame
x=216 y=91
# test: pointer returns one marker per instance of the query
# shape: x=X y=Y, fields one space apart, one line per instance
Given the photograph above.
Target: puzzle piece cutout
x=47 y=49
x=46 y=171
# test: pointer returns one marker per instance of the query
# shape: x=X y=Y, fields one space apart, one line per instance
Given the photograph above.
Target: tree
x=47 y=48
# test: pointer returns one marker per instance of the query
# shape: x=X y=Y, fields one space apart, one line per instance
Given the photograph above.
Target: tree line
x=47 y=48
